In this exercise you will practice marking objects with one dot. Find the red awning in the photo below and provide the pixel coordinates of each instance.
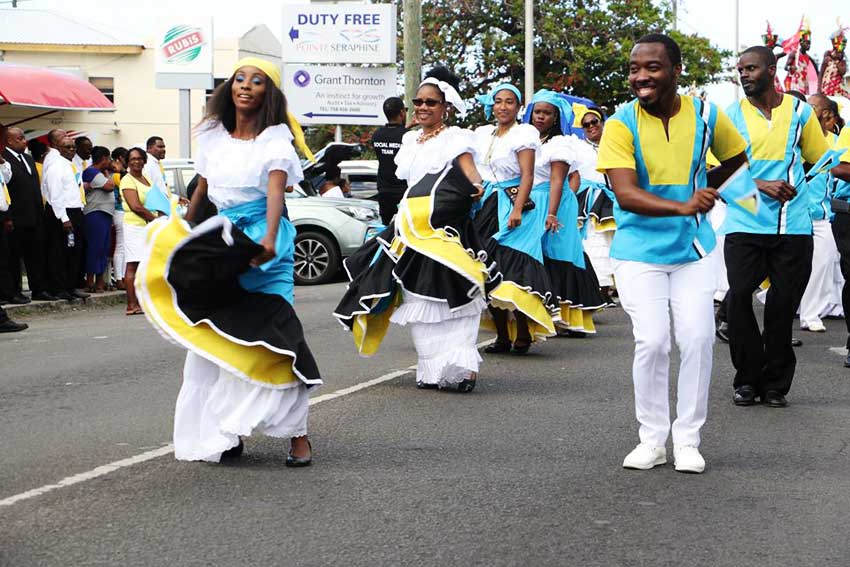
(39, 87)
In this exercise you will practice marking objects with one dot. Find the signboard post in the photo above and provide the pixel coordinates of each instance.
(184, 61)
(330, 94)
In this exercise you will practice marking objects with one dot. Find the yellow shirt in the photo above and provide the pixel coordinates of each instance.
(130, 182)
(843, 138)
(668, 161)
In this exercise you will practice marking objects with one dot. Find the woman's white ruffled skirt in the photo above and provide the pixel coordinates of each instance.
(214, 408)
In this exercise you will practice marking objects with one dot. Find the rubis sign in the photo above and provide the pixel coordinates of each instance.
(183, 44)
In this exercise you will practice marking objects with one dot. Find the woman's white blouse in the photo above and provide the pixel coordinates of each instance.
(559, 148)
(497, 158)
(237, 171)
(414, 160)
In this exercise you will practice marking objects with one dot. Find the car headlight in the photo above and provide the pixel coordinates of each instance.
(364, 214)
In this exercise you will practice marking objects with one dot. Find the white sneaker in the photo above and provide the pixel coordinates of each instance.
(687, 459)
(816, 327)
(644, 457)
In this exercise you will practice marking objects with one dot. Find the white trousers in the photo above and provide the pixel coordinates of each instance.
(818, 296)
(647, 293)
(118, 263)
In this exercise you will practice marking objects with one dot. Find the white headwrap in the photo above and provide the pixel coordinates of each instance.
(449, 92)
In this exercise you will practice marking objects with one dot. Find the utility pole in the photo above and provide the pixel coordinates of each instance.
(529, 50)
(675, 15)
(412, 23)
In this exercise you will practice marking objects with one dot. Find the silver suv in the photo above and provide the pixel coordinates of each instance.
(328, 230)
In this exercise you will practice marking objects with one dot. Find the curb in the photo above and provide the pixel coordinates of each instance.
(96, 301)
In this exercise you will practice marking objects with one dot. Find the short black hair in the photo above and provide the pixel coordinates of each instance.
(98, 153)
(120, 153)
(393, 106)
(79, 141)
(764, 53)
(152, 140)
(674, 54)
(139, 150)
(37, 148)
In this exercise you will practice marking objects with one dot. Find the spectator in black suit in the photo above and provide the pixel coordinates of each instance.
(7, 290)
(26, 216)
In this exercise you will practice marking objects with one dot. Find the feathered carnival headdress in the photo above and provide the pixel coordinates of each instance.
(838, 39)
(805, 31)
(769, 38)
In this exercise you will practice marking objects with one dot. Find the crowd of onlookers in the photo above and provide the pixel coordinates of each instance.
(72, 215)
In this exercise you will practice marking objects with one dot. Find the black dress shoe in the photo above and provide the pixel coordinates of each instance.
(234, 452)
(426, 386)
(521, 349)
(300, 461)
(9, 326)
(722, 331)
(498, 347)
(19, 300)
(774, 399)
(744, 396)
(66, 296)
(43, 296)
(796, 343)
(466, 386)
(80, 294)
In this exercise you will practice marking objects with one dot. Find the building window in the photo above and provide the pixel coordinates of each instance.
(106, 85)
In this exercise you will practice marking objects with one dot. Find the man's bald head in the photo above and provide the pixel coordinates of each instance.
(55, 137)
(16, 139)
(765, 54)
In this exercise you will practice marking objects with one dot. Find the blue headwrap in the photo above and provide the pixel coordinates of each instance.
(565, 109)
(488, 100)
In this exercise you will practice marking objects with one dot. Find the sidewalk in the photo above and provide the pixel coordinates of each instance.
(96, 301)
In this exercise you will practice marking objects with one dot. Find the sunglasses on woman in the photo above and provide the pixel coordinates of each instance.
(429, 102)
(591, 124)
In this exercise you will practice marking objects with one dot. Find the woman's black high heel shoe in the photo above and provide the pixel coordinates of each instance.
(234, 452)
(466, 386)
(498, 347)
(521, 349)
(292, 461)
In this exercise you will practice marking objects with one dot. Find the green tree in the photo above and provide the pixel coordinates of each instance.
(581, 47)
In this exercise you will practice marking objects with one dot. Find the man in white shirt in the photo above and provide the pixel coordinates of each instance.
(154, 169)
(63, 216)
(82, 155)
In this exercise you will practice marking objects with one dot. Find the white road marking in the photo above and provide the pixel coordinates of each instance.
(839, 350)
(168, 449)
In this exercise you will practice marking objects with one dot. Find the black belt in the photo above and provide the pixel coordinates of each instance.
(840, 206)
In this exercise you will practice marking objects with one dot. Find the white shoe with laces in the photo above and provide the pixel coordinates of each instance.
(688, 459)
(644, 457)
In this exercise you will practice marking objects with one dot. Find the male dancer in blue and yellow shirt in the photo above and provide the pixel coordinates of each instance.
(781, 131)
(653, 151)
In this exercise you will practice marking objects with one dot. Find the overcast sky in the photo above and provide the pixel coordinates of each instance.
(711, 18)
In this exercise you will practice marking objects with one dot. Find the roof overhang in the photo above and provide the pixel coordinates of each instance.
(69, 48)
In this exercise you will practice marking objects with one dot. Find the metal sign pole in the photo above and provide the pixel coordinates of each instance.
(529, 49)
(185, 123)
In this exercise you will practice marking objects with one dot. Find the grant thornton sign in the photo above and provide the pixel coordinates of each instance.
(184, 59)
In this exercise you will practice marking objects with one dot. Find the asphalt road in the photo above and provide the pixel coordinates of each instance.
(525, 471)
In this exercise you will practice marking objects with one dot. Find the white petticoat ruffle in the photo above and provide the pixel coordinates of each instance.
(445, 340)
(598, 248)
(215, 407)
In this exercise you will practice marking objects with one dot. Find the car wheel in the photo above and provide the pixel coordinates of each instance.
(316, 258)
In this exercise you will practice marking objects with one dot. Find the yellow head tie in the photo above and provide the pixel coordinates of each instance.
(272, 71)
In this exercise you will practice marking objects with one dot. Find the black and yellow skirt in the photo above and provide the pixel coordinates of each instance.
(199, 291)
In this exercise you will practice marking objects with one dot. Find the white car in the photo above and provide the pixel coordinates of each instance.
(328, 230)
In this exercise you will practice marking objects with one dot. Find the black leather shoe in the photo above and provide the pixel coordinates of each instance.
(234, 452)
(44, 296)
(66, 296)
(466, 386)
(19, 300)
(796, 343)
(425, 386)
(9, 326)
(774, 399)
(79, 294)
(521, 350)
(847, 361)
(744, 396)
(300, 461)
(722, 331)
(498, 348)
